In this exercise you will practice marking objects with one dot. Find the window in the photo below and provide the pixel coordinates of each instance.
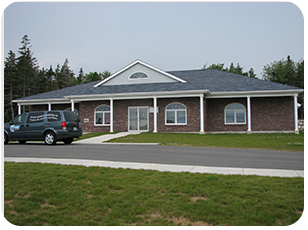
(102, 115)
(20, 119)
(235, 113)
(69, 109)
(71, 116)
(53, 116)
(35, 117)
(138, 75)
(176, 114)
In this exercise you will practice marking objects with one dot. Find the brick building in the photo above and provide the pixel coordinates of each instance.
(141, 97)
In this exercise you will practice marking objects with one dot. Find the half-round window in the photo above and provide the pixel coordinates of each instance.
(176, 114)
(235, 113)
(138, 75)
(102, 115)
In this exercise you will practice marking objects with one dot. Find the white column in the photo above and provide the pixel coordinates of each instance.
(295, 114)
(155, 114)
(72, 105)
(49, 106)
(19, 108)
(201, 114)
(248, 114)
(111, 115)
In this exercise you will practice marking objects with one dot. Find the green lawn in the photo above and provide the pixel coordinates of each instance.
(286, 142)
(49, 194)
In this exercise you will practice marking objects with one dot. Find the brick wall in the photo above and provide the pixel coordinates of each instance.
(87, 112)
(214, 120)
(272, 114)
(193, 115)
(120, 116)
(267, 114)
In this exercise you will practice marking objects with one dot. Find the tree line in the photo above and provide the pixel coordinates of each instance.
(23, 77)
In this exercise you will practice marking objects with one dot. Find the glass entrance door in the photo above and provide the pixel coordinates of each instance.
(138, 119)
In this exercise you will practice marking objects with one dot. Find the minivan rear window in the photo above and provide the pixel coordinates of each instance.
(70, 116)
(53, 116)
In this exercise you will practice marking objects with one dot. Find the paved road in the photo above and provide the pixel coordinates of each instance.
(217, 157)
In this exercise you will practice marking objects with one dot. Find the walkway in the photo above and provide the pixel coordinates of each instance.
(104, 138)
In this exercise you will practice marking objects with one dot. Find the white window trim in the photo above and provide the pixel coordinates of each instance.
(134, 79)
(103, 112)
(176, 110)
(234, 111)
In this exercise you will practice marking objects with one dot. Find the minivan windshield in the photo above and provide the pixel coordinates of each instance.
(70, 116)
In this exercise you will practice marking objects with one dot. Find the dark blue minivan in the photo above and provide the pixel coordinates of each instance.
(50, 126)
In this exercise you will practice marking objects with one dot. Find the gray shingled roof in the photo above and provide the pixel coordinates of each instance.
(210, 79)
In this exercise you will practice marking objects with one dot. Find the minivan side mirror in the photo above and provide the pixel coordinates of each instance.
(11, 122)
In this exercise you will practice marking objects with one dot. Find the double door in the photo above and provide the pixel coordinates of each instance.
(138, 119)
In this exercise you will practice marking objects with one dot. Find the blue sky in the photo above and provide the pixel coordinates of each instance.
(171, 36)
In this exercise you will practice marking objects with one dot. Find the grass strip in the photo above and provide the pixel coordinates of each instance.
(275, 141)
(52, 194)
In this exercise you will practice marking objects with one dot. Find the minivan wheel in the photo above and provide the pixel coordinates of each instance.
(69, 140)
(50, 138)
(6, 139)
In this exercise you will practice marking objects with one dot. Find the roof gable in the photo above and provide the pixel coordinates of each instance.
(148, 74)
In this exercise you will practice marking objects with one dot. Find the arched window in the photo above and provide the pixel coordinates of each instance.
(235, 113)
(176, 114)
(138, 75)
(102, 115)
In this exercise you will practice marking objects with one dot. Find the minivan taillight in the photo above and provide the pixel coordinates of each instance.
(63, 125)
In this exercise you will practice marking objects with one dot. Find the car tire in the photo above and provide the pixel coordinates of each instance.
(22, 142)
(68, 141)
(6, 139)
(50, 138)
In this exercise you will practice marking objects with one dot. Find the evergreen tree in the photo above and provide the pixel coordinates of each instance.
(220, 66)
(50, 79)
(80, 77)
(10, 86)
(238, 69)
(251, 73)
(231, 68)
(92, 76)
(65, 76)
(27, 69)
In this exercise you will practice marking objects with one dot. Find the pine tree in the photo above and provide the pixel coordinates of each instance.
(50, 80)
(27, 69)
(252, 73)
(65, 77)
(80, 77)
(10, 86)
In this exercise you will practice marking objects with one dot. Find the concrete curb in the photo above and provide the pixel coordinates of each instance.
(164, 167)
